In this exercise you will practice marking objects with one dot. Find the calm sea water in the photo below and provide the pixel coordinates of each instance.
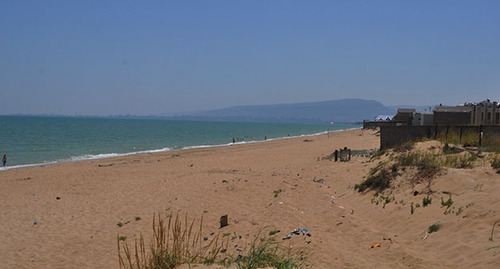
(38, 140)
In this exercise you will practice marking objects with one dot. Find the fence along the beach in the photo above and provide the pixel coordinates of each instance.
(481, 135)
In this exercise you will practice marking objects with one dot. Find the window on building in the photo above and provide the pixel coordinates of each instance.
(498, 118)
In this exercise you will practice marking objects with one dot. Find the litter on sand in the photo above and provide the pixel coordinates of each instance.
(297, 232)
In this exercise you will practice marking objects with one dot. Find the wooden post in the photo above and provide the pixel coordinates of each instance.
(461, 130)
(480, 134)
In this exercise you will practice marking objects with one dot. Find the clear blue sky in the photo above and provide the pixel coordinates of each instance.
(163, 57)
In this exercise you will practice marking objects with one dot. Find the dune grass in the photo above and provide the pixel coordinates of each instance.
(268, 252)
(427, 164)
(176, 241)
(495, 163)
(490, 141)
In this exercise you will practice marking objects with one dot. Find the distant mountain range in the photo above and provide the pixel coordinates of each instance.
(339, 111)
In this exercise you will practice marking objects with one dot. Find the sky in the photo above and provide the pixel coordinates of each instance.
(167, 57)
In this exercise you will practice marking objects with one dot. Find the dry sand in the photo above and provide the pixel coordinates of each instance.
(77, 206)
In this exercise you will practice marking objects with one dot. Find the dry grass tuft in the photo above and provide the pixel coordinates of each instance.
(174, 243)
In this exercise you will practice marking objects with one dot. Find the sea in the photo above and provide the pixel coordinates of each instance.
(41, 140)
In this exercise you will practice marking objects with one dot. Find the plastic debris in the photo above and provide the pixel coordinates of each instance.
(297, 231)
(376, 245)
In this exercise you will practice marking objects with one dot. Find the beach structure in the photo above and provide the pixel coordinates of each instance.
(482, 113)
(468, 114)
(481, 119)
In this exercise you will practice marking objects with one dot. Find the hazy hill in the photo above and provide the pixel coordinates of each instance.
(345, 110)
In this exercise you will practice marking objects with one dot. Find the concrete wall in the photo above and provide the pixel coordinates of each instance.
(452, 118)
(377, 124)
(391, 136)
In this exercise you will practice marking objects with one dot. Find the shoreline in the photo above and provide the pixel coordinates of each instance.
(117, 155)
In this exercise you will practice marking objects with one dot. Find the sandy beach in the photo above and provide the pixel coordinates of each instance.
(66, 215)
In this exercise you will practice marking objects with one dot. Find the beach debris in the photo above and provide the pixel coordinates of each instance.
(332, 199)
(493, 230)
(280, 202)
(426, 235)
(35, 223)
(376, 245)
(205, 238)
(297, 231)
(321, 181)
(241, 258)
(223, 221)
(105, 165)
(58, 198)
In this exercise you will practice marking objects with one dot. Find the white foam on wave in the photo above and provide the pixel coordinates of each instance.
(84, 158)
(112, 155)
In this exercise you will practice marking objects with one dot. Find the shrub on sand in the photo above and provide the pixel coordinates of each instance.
(176, 242)
(495, 163)
(265, 252)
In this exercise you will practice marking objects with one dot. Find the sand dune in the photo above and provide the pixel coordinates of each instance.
(78, 205)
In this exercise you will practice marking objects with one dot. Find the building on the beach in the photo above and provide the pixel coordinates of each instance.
(404, 116)
(468, 114)
(423, 118)
(453, 115)
(483, 113)
(486, 113)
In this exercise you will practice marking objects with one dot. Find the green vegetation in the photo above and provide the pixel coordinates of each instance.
(426, 201)
(427, 165)
(406, 146)
(137, 218)
(176, 241)
(277, 192)
(119, 224)
(379, 178)
(267, 252)
(469, 138)
(491, 143)
(383, 199)
(273, 232)
(495, 163)
(447, 203)
(434, 228)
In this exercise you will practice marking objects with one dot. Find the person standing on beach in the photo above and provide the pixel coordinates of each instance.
(4, 160)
